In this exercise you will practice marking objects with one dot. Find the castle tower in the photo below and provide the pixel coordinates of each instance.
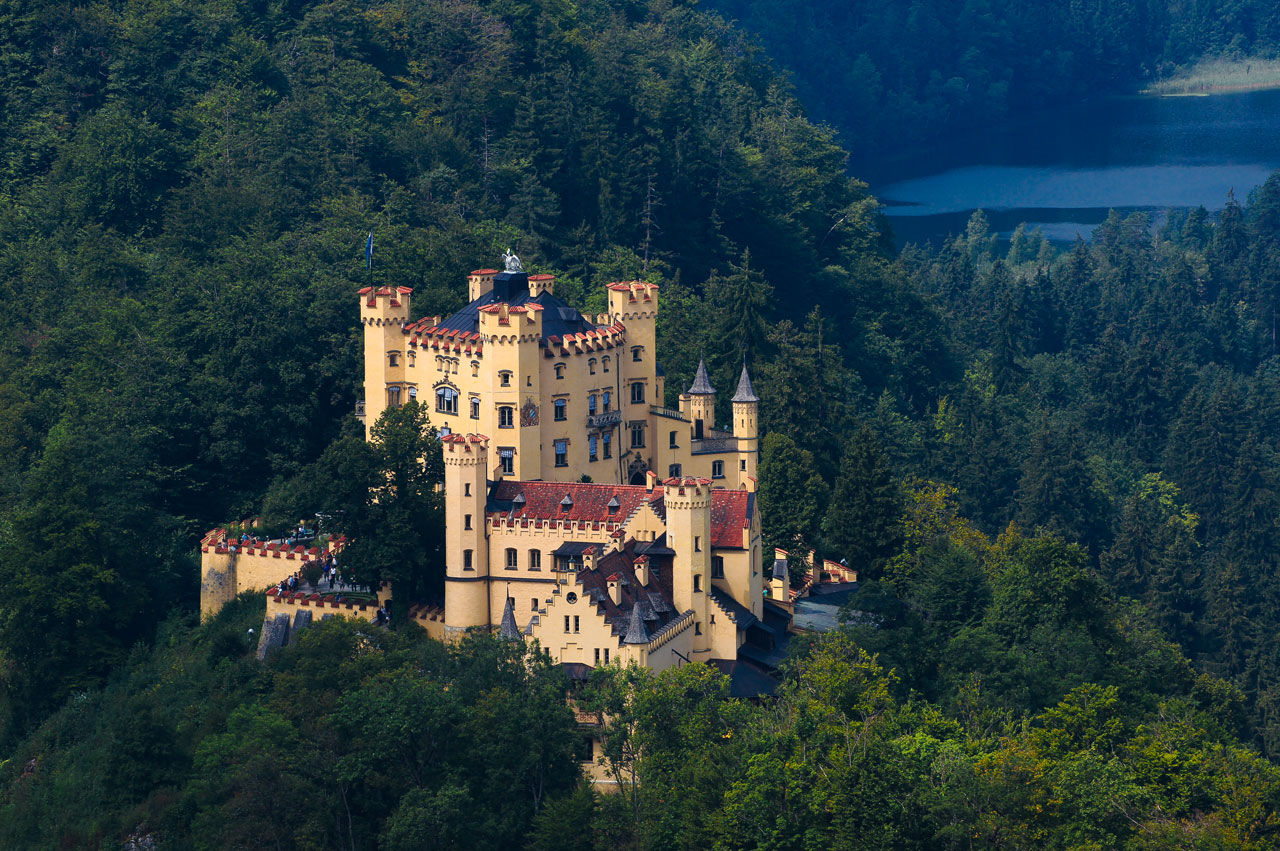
(746, 427)
(688, 507)
(466, 487)
(384, 313)
(511, 337)
(699, 403)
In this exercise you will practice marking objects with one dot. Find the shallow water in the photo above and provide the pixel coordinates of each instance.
(1063, 171)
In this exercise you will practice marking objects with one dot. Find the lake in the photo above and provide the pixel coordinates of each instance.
(1063, 171)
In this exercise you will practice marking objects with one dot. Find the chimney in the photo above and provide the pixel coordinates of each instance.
(589, 558)
(615, 588)
(642, 571)
(650, 479)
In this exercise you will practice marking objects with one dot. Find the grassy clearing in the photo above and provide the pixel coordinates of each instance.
(1215, 76)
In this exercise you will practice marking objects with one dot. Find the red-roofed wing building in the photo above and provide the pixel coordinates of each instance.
(562, 395)
(658, 574)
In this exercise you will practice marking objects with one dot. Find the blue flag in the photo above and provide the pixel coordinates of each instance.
(368, 253)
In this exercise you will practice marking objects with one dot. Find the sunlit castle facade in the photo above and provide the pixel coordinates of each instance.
(562, 397)
(579, 512)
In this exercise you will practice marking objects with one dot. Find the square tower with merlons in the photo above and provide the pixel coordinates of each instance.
(561, 396)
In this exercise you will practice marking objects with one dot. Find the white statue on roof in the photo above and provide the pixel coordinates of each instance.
(512, 262)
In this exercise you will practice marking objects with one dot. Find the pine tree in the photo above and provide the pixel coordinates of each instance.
(861, 526)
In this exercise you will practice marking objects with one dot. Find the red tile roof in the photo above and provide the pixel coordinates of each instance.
(730, 509)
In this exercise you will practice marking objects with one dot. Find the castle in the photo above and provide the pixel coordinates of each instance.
(579, 510)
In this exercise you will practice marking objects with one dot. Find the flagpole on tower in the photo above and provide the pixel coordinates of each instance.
(368, 257)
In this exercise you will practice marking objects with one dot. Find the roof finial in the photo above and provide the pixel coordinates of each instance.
(701, 384)
(745, 391)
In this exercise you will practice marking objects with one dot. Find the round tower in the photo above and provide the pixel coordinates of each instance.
(701, 401)
(466, 488)
(746, 428)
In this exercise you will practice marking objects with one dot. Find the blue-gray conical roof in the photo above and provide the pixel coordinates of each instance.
(701, 384)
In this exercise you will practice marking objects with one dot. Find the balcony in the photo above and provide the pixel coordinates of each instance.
(609, 419)
(360, 409)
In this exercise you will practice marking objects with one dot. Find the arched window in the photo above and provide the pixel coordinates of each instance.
(475, 407)
(447, 400)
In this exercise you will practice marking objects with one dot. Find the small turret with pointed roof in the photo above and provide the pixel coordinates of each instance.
(701, 384)
(745, 391)
(637, 632)
(509, 629)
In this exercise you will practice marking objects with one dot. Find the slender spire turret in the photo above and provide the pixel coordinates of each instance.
(701, 384)
(509, 629)
(745, 392)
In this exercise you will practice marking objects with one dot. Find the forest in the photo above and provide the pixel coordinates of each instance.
(1054, 468)
(887, 72)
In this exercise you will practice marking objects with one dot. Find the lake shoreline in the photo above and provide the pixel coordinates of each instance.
(1219, 77)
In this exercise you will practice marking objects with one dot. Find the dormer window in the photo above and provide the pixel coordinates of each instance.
(566, 503)
(613, 505)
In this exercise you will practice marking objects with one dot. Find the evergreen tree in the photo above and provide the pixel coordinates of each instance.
(861, 524)
(791, 495)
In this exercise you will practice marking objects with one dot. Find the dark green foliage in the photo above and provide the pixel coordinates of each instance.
(860, 525)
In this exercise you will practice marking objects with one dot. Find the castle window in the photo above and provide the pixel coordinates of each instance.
(637, 393)
(393, 358)
(607, 440)
(717, 469)
(393, 397)
(591, 405)
(591, 365)
(413, 358)
(592, 446)
(466, 560)
(447, 400)
(504, 378)
(575, 623)
(597, 655)
(697, 626)
(604, 362)
(637, 353)
(506, 460)
(535, 559)
(742, 465)
(606, 399)
(506, 417)
(566, 623)
(533, 604)
(561, 407)
(413, 394)
(559, 371)
(673, 472)
(717, 567)
(562, 453)
(475, 407)
(672, 444)
(512, 559)
(475, 368)
(697, 548)
(466, 488)
(466, 521)
(637, 435)
(606, 655)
